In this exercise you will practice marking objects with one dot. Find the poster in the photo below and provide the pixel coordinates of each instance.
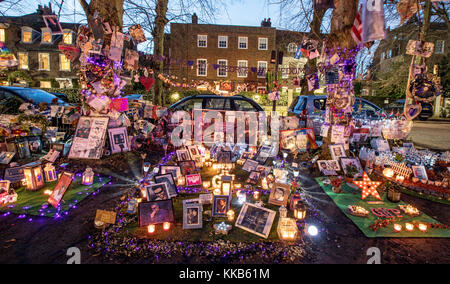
(118, 140)
(89, 138)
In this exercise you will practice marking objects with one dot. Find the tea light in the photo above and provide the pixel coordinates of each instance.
(409, 227)
(181, 181)
(256, 195)
(48, 192)
(237, 186)
(397, 228)
(230, 215)
(264, 184)
(388, 172)
(151, 229)
(166, 226)
(400, 179)
(206, 184)
(217, 191)
(422, 227)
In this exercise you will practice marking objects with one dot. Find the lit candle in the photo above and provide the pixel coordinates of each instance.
(230, 215)
(166, 226)
(397, 228)
(256, 195)
(409, 227)
(422, 227)
(151, 229)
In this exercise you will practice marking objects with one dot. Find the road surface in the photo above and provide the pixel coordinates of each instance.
(431, 134)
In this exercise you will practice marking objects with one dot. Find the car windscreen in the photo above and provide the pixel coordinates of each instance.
(35, 95)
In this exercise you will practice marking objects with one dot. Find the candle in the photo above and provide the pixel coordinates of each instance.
(230, 215)
(151, 229)
(256, 195)
(409, 227)
(166, 226)
(422, 227)
(397, 228)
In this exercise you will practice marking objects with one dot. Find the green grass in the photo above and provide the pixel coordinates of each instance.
(30, 202)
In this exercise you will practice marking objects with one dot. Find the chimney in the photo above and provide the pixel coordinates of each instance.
(195, 19)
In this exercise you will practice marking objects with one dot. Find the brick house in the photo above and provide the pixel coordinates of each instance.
(37, 50)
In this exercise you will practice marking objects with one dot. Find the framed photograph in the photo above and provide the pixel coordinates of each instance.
(170, 183)
(89, 138)
(279, 194)
(183, 155)
(22, 148)
(250, 165)
(221, 205)
(193, 180)
(58, 147)
(4, 186)
(192, 216)
(51, 156)
(194, 152)
(254, 177)
(264, 170)
(337, 151)
(334, 165)
(187, 167)
(263, 154)
(352, 163)
(118, 140)
(280, 174)
(323, 165)
(155, 212)
(224, 157)
(35, 144)
(174, 170)
(157, 192)
(60, 189)
(6, 157)
(15, 174)
(420, 172)
(256, 220)
(246, 155)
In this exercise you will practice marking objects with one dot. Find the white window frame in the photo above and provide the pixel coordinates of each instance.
(61, 56)
(442, 51)
(199, 38)
(206, 67)
(44, 31)
(65, 32)
(218, 69)
(222, 39)
(260, 41)
(245, 40)
(2, 35)
(39, 61)
(26, 30)
(265, 71)
(28, 60)
(239, 68)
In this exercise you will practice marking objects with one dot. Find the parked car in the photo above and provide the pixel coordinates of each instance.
(398, 106)
(311, 107)
(134, 97)
(29, 95)
(215, 102)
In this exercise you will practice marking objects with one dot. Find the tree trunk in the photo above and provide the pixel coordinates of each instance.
(342, 22)
(158, 49)
(110, 10)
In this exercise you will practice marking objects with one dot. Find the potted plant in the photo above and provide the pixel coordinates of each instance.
(350, 172)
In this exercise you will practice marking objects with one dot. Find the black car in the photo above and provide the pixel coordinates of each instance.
(28, 95)
(215, 102)
(61, 96)
(399, 105)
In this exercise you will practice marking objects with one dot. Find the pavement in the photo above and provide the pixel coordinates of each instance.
(433, 134)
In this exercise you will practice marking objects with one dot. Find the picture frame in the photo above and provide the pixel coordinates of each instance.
(14, 174)
(192, 216)
(254, 177)
(256, 220)
(246, 156)
(224, 157)
(170, 183)
(352, 162)
(35, 144)
(264, 170)
(194, 152)
(279, 194)
(57, 147)
(6, 157)
(60, 189)
(337, 151)
(420, 172)
(187, 167)
(155, 212)
(5, 186)
(334, 164)
(51, 156)
(250, 165)
(22, 147)
(263, 154)
(183, 155)
(157, 192)
(193, 180)
(118, 140)
(221, 205)
(90, 138)
(174, 170)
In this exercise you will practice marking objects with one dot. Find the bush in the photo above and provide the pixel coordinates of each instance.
(73, 95)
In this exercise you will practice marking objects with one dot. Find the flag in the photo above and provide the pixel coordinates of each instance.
(357, 28)
(298, 54)
(373, 20)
